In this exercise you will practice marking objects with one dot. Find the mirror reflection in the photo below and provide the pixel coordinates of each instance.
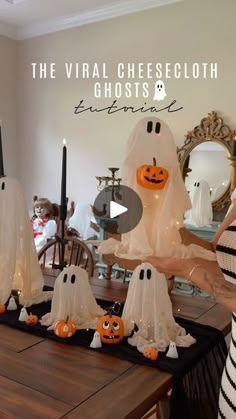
(208, 154)
(208, 161)
(201, 213)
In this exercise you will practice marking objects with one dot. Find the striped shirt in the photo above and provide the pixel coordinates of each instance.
(226, 257)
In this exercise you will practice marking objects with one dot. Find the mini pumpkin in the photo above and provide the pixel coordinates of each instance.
(65, 328)
(152, 176)
(111, 329)
(32, 319)
(2, 308)
(151, 353)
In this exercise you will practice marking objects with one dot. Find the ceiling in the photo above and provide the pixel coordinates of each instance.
(22, 19)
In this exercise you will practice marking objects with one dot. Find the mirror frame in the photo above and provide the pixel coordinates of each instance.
(211, 129)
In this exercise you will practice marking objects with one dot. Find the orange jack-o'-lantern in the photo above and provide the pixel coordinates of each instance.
(2, 308)
(31, 320)
(152, 176)
(65, 328)
(111, 329)
(151, 353)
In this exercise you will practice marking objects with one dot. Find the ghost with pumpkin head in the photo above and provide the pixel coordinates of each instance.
(151, 168)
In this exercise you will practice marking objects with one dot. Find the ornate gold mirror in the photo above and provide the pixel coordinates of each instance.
(206, 154)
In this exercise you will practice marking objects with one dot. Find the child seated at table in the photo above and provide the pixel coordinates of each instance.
(44, 226)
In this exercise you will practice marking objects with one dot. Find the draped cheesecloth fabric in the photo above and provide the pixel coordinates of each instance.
(149, 309)
(19, 267)
(201, 213)
(81, 220)
(73, 298)
(157, 233)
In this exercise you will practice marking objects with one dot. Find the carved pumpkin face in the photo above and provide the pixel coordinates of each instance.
(65, 328)
(111, 329)
(151, 353)
(31, 320)
(152, 176)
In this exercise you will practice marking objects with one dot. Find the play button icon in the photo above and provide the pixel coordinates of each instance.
(117, 209)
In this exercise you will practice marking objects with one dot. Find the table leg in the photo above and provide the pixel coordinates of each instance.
(164, 406)
(108, 272)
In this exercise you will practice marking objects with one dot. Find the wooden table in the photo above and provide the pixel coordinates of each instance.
(40, 378)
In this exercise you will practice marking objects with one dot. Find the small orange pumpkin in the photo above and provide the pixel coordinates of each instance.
(152, 176)
(111, 329)
(2, 308)
(65, 328)
(151, 353)
(32, 319)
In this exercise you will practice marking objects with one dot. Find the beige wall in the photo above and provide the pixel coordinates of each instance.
(8, 104)
(189, 31)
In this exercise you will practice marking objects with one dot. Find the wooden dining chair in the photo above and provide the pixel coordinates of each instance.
(76, 253)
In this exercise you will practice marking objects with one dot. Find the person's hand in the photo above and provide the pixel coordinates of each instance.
(214, 244)
(172, 266)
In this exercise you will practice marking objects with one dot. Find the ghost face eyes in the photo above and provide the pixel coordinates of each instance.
(67, 280)
(145, 274)
(2, 186)
(153, 127)
(197, 184)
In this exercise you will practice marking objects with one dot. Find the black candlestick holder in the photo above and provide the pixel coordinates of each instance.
(61, 239)
(107, 181)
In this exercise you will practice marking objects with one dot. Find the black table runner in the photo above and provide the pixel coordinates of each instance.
(197, 372)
